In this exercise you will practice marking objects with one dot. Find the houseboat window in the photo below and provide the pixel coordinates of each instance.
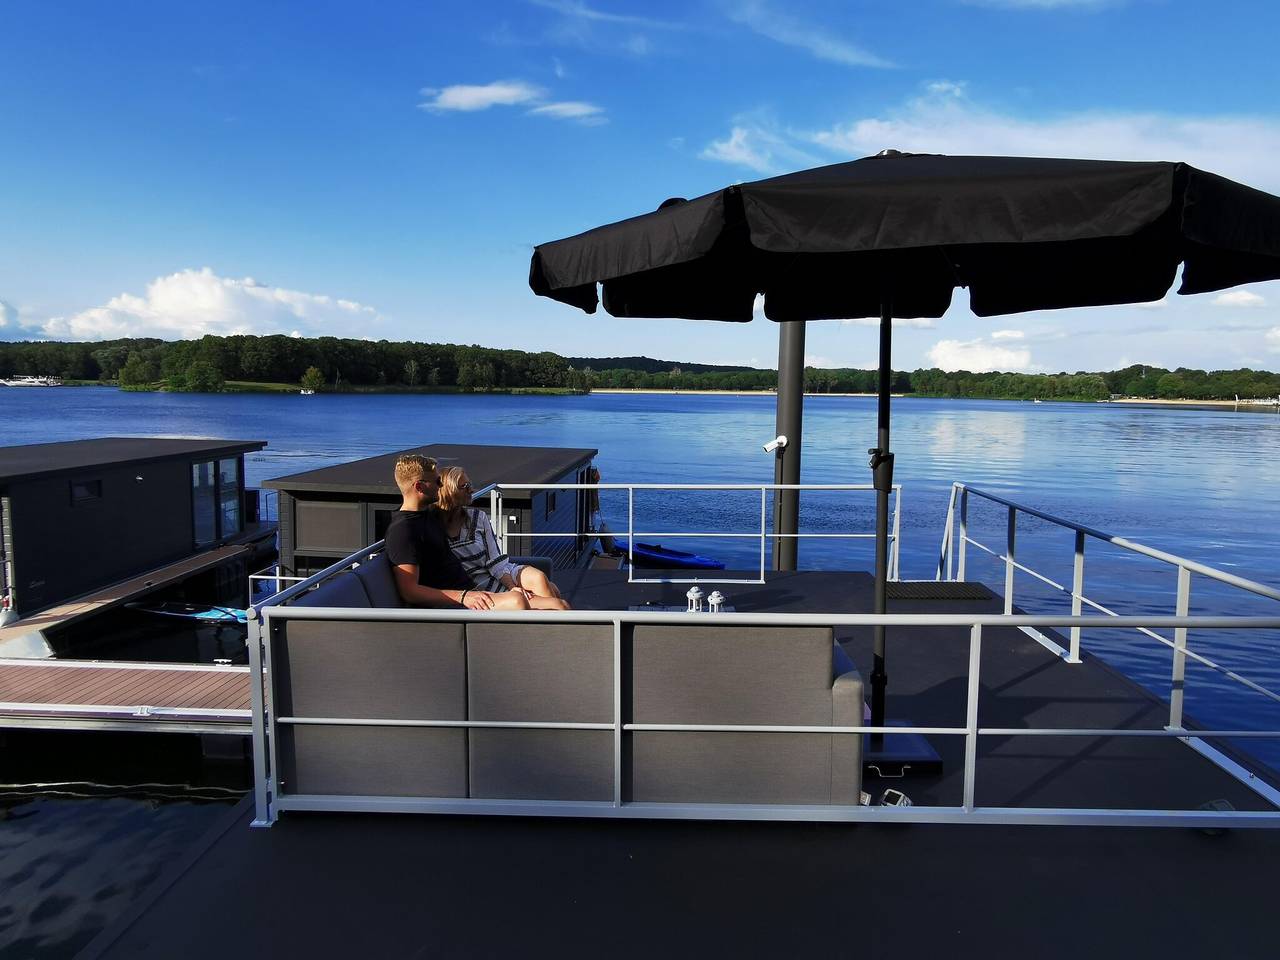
(550, 505)
(204, 503)
(229, 506)
(82, 491)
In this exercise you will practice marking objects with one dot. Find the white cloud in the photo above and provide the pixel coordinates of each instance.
(587, 113)
(743, 149)
(192, 303)
(945, 120)
(1007, 335)
(471, 97)
(1238, 298)
(813, 360)
(558, 68)
(787, 30)
(1272, 337)
(508, 93)
(1152, 305)
(8, 314)
(579, 10)
(979, 356)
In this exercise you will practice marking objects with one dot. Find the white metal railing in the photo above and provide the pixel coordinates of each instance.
(271, 798)
(500, 520)
(954, 544)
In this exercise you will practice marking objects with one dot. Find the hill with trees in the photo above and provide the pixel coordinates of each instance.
(211, 364)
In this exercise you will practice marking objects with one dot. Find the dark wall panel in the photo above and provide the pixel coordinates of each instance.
(64, 548)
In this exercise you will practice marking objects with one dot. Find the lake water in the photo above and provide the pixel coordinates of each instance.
(1203, 484)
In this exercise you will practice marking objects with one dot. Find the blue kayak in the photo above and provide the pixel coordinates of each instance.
(656, 555)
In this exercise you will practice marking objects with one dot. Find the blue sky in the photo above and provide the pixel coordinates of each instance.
(382, 170)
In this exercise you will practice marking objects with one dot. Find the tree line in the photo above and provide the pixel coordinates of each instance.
(332, 363)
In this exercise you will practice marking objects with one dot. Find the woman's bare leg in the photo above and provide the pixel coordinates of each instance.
(548, 603)
(510, 600)
(536, 582)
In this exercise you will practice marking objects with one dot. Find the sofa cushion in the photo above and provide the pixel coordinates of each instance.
(343, 590)
(379, 582)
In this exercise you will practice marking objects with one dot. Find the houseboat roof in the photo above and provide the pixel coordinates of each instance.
(484, 464)
(33, 460)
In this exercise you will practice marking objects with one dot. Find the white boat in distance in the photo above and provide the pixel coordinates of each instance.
(28, 381)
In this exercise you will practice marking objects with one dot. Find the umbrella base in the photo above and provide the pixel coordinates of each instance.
(901, 755)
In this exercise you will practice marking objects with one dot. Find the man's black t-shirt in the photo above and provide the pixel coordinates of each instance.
(417, 537)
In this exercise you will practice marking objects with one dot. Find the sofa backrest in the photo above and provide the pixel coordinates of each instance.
(343, 590)
(725, 674)
(379, 582)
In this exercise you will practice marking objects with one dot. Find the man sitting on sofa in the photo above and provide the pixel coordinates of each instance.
(426, 572)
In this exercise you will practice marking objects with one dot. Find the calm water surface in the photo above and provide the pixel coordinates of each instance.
(1204, 484)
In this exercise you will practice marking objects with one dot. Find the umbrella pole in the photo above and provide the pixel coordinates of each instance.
(882, 480)
(790, 418)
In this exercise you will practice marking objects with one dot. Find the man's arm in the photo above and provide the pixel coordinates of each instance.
(411, 591)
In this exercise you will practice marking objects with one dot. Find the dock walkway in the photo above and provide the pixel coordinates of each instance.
(117, 593)
(110, 695)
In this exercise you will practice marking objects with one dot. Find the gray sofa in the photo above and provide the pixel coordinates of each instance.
(559, 673)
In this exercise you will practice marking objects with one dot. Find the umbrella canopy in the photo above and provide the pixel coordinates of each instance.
(895, 234)
(830, 243)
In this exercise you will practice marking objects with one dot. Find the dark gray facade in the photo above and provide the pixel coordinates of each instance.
(81, 515)
(332, 512)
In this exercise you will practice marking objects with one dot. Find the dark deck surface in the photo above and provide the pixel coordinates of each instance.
(423, 886)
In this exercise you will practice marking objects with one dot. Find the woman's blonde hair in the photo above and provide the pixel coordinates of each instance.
(451, 494)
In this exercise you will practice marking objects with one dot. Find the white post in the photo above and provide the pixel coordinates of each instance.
(971, 716)
(1178, 683)
(1077, 591)
(964, 532)
(1010, 537)
(261, 784)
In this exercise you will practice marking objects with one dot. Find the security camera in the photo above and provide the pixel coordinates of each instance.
(777, 443)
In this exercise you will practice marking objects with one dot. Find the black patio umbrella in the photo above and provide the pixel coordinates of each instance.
(893, 235)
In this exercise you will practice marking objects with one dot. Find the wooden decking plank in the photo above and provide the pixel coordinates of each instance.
(214, 699)
(235, 696)
(196, 692)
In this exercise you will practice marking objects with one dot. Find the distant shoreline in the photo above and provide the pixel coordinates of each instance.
(1141, 401)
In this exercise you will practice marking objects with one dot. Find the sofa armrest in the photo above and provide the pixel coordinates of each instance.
(847, 693)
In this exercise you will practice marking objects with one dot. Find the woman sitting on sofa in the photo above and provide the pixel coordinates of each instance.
(472, 540)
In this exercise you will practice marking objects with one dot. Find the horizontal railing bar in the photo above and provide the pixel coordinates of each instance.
(1180, 734)
(841, 813)
(782, 728)
(1213, 573)
(139, 711)
(603, 617)
(717, 534)
(479, 724)
(685, 486)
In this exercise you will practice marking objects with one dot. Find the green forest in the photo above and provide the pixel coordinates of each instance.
(236, 363)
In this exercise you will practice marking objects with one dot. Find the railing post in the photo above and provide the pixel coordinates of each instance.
(971, 715)
(948, 537)
(1178, 682)
(764, 501)
(261, 782)
(897, 532)
(1077, 592)
(964, 532)
(1010, 536)
(631, 534)
(497, 520)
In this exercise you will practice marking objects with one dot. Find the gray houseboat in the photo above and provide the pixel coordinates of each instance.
(80, 515)
(329, 513)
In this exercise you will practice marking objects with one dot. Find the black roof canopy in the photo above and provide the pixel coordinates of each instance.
(1022, 233)
(485, 464)
(33, 460)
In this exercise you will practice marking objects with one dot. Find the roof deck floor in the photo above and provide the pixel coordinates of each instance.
(417, 886)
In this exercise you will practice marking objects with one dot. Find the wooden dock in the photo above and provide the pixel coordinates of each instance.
(112, 695)
(112, 596)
